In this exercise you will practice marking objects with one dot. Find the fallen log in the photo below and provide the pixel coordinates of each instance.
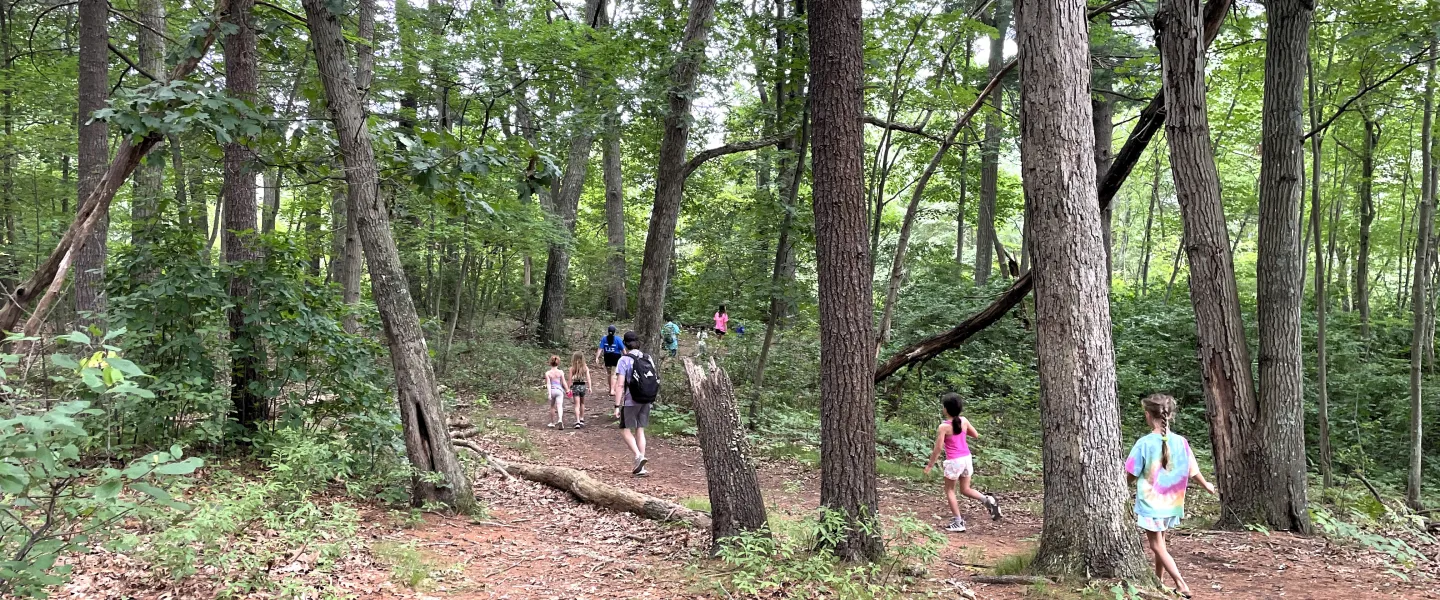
(591, 491)
(1151, 119)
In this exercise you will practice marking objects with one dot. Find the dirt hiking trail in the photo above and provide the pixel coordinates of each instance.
(541, 543)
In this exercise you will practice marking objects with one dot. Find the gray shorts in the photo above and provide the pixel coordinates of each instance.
(635, 417)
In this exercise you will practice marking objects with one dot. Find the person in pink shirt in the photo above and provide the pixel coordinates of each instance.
(722, 322)
(958, 466)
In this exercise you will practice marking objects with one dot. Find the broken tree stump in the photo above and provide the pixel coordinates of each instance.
(736, 505)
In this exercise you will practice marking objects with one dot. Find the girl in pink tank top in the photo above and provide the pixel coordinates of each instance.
(950, 437)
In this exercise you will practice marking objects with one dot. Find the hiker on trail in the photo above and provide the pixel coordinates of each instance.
(610, 350)
(722, 322)
(556, 386)
(635, 387)
(579, 385)
(1161, 465)
(670, 334)
(958, 466)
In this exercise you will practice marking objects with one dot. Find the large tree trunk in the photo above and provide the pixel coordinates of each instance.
(618, 299)
(427, 441)
(94, 154)
(1420, 299)
(246, 352)
(843, 263)
(1367, 218)
(551, 323)
(1322, 297)
(1282, 376)
(149, 178)
(1086, 528)
(670, 175)
(349, 262)
(1224, 355)
(1145, 247)
(1104, 121)
(990, 152)
(736, 505)
(1149, 122)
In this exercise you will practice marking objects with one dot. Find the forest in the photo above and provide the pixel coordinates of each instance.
(302, 297)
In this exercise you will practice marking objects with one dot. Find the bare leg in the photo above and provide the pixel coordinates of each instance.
(630, 441)
(950, 497)
(579, 407)
(640, 433)
(1162, 556)
(968, 491)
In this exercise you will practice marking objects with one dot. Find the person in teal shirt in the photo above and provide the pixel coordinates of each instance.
(671, 335)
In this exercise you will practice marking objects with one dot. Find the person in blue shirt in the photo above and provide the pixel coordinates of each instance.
(611, 348)
(670, 334)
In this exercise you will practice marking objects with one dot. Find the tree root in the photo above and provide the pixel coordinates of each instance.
(1011, 579)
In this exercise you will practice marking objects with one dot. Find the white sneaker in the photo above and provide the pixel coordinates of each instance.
(994, 506)
(640, 465)
(956, 526)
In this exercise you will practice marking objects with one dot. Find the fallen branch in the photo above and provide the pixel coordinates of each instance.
(1150, 121)
(1011, 579)
(604, 495)
(97, 203)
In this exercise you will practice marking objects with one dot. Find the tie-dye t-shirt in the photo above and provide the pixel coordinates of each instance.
(1160, 493)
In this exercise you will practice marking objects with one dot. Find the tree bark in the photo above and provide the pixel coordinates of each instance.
(618, 298)
(1086, 529)
(1322, 297)
(149, 179)
(736, 505)
(94, 154)
(670, 175)
(1420, 299)
(1104, 121)
(591, 491)
(427, 441)
(246, 351)
(349, 267)
(843, 263)
(1224, 355)
(1367, 218)
(1145, 248)
(551, 323)
(990, 152)
(1281, 393)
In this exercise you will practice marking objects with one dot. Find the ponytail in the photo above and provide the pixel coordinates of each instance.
(1161, 408)
(1165, 445)
(953, 404)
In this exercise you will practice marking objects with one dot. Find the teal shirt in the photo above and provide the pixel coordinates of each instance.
(672, 332)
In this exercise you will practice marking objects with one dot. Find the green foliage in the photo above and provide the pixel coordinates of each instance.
(782, 562)
(409, 565)
(58, 504)
(175, 107)
(242, 528)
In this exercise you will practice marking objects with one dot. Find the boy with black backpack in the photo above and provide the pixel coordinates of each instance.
(635, 387)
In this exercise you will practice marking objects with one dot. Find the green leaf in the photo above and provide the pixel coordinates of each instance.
(75, 337)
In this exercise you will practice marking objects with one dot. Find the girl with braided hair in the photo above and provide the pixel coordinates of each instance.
(1161, 464)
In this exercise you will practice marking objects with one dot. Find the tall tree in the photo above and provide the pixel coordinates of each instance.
(985, 237)
(149, 178)
(1104, 122)
(1367, 220)
(348, 266)
(843, 263)
(1278, 274)
(1224, 355)
(670, 174)
(1086, 528)
(94, 150)
(1420, 300)
(1322, 296)
(427, 439)
(241, 81)
(551, 326)
(617, 299)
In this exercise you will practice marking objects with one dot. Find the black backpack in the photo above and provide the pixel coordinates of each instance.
(643, 382)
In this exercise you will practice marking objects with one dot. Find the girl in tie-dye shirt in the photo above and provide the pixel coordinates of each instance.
(1161, 464)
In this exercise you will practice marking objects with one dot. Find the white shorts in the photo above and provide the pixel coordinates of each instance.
(956, 468)
(557, 397)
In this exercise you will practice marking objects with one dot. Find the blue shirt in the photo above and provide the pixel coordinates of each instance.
(612, 344)
(673, 330)
(622, 370)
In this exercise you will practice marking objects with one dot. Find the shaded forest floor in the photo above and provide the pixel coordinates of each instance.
(536, 542)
